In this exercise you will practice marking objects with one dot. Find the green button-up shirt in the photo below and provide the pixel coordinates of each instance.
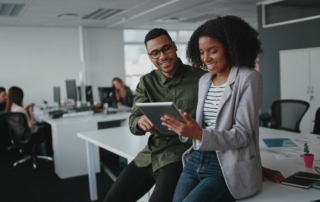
(182, 89)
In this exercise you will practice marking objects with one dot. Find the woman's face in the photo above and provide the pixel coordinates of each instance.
(213, 54)
(117, 84)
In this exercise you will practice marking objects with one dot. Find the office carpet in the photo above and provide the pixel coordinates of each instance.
(43, 185)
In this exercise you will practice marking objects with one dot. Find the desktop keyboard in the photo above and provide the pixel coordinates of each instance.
(73, 114)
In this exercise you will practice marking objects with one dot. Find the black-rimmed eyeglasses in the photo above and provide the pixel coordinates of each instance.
(166, 49)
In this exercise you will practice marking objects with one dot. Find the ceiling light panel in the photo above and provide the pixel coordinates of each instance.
(199, 18)
(102, 14)
(11, 10)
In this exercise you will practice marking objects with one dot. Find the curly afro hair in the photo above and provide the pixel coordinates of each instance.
(239, 38)
(154, 33)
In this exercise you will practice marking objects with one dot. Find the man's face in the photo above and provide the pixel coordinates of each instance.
(166, 63)
(3, 96)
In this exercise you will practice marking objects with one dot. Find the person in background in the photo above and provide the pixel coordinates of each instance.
(4, 128)
(3, 99)
(123, 92)
(14, 104)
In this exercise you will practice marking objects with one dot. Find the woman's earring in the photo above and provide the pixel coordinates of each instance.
(203, 67)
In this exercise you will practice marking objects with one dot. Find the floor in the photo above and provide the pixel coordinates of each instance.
(43, 185)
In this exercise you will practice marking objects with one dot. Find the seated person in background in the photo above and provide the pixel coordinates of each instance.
(14, 104)
(123, 92)
(3, 99)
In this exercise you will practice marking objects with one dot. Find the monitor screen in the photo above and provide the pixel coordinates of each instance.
(89, 95)
(71, 89)
(107, 95)
(56, 95)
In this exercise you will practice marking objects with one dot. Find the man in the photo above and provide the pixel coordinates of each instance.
(160, 161)
(3, 99)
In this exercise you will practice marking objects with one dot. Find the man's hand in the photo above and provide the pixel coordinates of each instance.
(274, 175)
(190, 129)
(119, 103)
(145, 124)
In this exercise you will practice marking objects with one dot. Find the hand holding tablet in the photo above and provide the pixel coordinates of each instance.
(164, 115)
(154, 111)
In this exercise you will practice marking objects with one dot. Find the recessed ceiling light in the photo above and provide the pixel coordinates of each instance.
(69, 16)
(11, 10)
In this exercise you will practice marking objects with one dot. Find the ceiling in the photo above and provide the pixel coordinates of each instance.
(141, 14)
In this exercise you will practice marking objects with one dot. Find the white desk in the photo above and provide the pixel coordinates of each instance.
(70, 158)
(117, 140)
(281, 193)
(123, 143)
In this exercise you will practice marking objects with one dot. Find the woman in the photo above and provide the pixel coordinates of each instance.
(14, 104)
(123, 92)
(224, 160)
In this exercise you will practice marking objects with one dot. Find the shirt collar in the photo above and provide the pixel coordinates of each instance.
(177, 75)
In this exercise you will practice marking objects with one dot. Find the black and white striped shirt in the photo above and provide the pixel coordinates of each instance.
(211, 105)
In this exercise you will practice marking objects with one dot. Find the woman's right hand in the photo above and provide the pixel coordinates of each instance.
(28, 108)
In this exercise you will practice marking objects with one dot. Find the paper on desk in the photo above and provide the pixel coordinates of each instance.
(291, 153)
(279, 142)
(307, 140)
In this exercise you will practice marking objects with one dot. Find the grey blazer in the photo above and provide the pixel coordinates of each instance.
(236, 136)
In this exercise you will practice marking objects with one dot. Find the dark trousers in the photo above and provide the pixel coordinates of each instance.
(135, 182)
(46, 146)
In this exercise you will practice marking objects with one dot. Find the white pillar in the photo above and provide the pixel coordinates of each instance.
(82, 73)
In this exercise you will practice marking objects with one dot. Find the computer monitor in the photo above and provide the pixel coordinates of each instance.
(89, 95)
(56, 95)
(107, 95)
(71, 90)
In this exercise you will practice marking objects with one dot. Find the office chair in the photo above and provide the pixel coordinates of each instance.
(316, 128)
(22, 138)
(287, 114)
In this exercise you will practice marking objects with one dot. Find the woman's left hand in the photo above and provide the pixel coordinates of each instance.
(190, 129)
(274, 175)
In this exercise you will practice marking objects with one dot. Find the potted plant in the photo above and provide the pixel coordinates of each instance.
(308, 158)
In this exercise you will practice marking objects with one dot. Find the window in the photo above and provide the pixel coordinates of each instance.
(279, 12)
(137, 62)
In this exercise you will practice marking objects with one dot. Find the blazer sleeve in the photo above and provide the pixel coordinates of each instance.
(245, 120)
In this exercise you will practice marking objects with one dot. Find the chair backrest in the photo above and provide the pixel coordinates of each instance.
(19, 129)
(316, 128)
(287, 114)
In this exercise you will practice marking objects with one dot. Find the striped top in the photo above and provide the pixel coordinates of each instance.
(211, 105)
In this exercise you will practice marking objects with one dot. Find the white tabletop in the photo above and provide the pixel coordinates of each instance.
(88, 118)
(117, 140)
(276, 192)
(122, 142)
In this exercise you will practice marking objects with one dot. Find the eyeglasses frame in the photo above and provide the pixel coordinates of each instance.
(161, 50)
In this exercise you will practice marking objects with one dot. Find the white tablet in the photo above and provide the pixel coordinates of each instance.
(155, 110)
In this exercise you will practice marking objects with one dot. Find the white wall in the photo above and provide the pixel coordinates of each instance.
(104, 57)
(38, 58)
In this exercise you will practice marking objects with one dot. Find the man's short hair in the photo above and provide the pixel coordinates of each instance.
(2, 89)
(154, 33)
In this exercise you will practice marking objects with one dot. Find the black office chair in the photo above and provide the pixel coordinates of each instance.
(21, 137)
(316, 128)
(287, 114)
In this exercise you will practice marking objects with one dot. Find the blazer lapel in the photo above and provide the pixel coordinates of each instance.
(227, 91)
